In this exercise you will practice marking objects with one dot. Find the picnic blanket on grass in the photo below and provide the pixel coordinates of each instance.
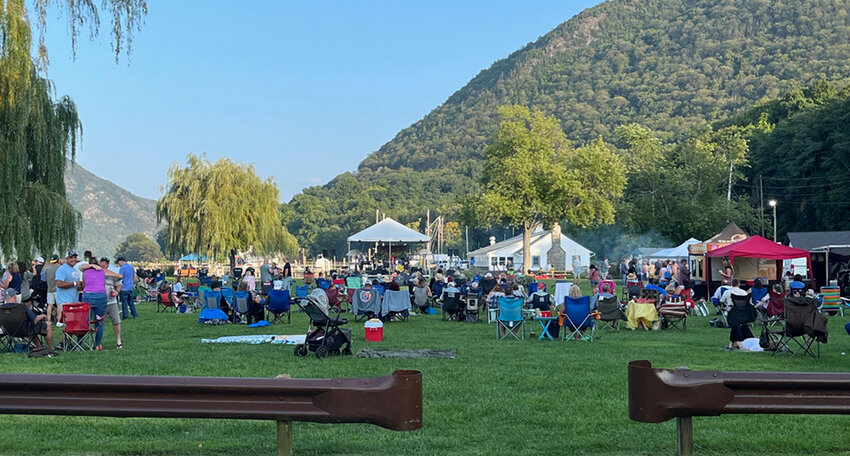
(251, 339)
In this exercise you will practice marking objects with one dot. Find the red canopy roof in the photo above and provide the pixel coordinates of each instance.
(759, 247)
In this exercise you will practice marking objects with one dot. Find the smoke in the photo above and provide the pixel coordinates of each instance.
(615, 242)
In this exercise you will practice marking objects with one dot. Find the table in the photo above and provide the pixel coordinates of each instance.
(544, 324)
(640, 312)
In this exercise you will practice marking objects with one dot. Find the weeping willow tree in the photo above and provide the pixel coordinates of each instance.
(215, 208)
(37, 133)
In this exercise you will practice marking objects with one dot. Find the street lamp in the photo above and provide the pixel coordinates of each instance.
(772, 203)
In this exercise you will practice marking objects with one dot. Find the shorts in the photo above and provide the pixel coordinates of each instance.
(51, 298)
(112, 312)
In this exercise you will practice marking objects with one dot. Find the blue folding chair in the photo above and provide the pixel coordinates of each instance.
(227, 294)
(323, 283)
(212, 307)
(578, 317)
(278, 304)
(301, 291)
(510, 318)
(532, 288)
(379, 289)
(241, 300)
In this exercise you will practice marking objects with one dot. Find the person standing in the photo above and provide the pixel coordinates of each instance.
(684, 273)
(113, 289)
(265, 277)
(11, 282)
(624, 270)
(48, 275)
(287, 274)
(603, 268)
(94, 293)
(67, 283)
(128, 274)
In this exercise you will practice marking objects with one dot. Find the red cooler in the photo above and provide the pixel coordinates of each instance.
(374, 330)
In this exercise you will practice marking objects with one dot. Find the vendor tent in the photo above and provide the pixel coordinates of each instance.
(680, 251)
(388, 230)
(193, 257)
(759, 247)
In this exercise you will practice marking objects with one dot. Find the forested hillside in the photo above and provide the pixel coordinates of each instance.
(671, 66)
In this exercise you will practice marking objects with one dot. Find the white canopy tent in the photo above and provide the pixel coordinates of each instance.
(389, 231)
(680, 251)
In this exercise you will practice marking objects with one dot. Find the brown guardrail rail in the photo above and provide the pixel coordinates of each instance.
(393, 402)
(658, 395)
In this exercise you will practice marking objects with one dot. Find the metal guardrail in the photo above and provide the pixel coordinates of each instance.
(393, 402)
(658, 395)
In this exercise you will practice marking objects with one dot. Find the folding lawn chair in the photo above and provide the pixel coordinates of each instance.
(532, 288)
(472, 307)
(610, 313)
(279, 304)
(674, 313)
(420, 298)
(241, 301)
(333, 298)
(301, 292)
(578, 317)
(78, 329)
(509, 318)
(396, 305)
(366, 304)
(323, 283)
(15, 326)
(164, 303)
(832, 304)
(804, 326)
(451, 306)
(227, 294)
(353, 283)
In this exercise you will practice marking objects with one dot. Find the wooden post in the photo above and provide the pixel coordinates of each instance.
(685, 433)
(284, 438)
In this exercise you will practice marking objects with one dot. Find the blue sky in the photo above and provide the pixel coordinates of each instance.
(302, 90)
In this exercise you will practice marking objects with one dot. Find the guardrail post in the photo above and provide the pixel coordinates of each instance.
(685, 433)
(284, 438)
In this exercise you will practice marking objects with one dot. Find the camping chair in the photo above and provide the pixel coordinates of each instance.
(472, 303)
(577, 316)
(395, 305)
(192, 287)
(241, 303)
(540, 301)
(532, 288)
(674, 313)
(510, 318)
(227, 294)
(323, 283)
(451, 306)
(164, 302)
(152, 292)
(353, 283)
(333, 298)
(832, 304)
(14, 323)
(78, 330)
(302, 291)
(420, 298)
(611, 286)
(610, 313)
(633, 289)
(804, 326)
(202, 290)
(279, 304)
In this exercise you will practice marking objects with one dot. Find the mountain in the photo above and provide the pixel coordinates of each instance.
(671, 65)
(110, 213)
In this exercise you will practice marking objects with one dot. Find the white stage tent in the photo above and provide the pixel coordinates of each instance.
(389, 231)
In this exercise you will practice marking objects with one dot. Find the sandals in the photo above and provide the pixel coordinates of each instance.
(120, 345)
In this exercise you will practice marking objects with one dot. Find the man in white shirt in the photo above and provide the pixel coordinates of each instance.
(726, 299)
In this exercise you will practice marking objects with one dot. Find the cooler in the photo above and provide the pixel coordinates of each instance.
(374, 330)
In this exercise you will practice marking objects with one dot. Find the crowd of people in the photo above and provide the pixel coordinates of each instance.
(45, 288)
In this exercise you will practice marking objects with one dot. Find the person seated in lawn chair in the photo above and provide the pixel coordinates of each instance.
(166, 288)
(540, 299)
(797, 287)
(604, 294)
(256, 304)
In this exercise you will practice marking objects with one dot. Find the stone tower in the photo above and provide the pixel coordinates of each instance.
(556, 255)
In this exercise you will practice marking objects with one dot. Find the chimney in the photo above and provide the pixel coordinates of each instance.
(492, 240)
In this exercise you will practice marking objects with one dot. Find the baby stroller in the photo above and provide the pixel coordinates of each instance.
(325, 336)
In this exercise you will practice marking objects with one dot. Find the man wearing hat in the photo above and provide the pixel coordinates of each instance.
(128, 282)
(67, 284)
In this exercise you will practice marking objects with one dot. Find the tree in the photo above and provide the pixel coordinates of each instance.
(38, 133)
(214, 208)
(138, 247)
(532, 176)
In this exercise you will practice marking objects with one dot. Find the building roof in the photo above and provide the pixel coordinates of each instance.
(502, 244)
(808, 240)
(729, 234)
(388, 230)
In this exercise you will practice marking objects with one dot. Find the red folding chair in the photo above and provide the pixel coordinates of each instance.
(78, 330)
(164, 303)
(333, 298)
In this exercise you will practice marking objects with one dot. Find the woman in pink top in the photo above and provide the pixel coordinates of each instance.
(94, 293)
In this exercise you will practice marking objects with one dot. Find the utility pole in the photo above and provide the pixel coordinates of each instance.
(761, 205)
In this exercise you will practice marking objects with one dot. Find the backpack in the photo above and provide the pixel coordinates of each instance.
(43, 352)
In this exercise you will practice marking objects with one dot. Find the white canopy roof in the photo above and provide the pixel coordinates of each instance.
(388, 230)
(676, 252)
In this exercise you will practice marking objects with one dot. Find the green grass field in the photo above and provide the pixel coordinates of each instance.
(496, 398)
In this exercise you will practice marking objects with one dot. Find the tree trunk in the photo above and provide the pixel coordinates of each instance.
(232, 258)
(526, 245)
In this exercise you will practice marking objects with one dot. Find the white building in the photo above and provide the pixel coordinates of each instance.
(548, 247)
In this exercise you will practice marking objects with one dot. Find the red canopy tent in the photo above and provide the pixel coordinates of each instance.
(759, 247)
